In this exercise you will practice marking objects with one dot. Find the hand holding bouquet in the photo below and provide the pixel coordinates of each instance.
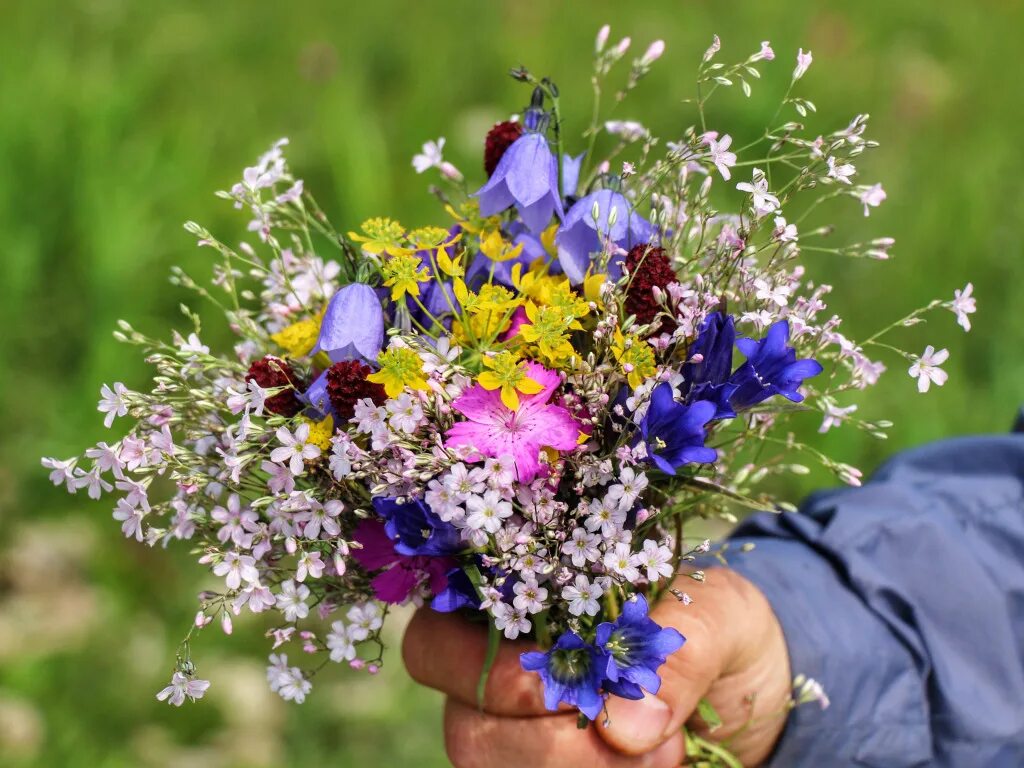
(516, 414)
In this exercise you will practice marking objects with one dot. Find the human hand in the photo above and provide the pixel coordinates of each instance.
(735, 657)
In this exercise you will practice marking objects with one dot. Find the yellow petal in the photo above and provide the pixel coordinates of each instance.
(510, 397)
(529, 387)
(489, 380)
(298, 339)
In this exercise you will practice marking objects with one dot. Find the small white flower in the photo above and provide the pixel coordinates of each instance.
(840, 173)
(605, 516)
(581, 547)
(718, 149)
(764, 202)
(485, 513)
(339, 641)
(872, 197)
(291, 600)
(583, 596)
(627, 130)
(295, 448)
(621, 561)
(182, 686)
(512, 620)
(765, 54)
(657, 559)
(310, 564)
(364, 620)
(406, 413)
(631, 484)
(926, 368)
(715, 47)
(776, 294)
(529, 596)
(834, 415)
(962, 306)
(131, 519)
(784, 232)
(62, 472)
(431, 157)
(803, 63)
(193, 347)
(112, 402)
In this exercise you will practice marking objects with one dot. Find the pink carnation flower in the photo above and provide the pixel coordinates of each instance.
(495, 430)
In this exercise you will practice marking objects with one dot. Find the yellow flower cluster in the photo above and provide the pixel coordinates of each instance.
(635, 356)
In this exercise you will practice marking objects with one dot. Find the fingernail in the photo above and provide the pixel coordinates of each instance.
(639, 723)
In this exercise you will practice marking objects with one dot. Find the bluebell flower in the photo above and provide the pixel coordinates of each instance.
(571, 671)
(460, 593)
(709, 379)
(674, 433)
(416, 529)
(632, 648)
(580, 236)
(771, 369)
(526, 177)
(318, 400)
(353, 326)
(571, 167)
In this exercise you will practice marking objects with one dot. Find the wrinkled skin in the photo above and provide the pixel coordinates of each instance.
(735, 650)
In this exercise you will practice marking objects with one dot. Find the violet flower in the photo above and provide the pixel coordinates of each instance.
(526, 177)
(353, 326)
(581, 236)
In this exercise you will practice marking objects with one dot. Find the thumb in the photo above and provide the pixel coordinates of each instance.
(636, 727)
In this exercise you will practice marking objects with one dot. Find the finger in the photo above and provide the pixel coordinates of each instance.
(477, 740)
(447, 653)
(709, 628)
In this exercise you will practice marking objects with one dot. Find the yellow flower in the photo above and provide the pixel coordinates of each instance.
(469, 218)
(497, 248)
(321, 432)
(298, 339)
(635, 356)
(509, 375)
(548, 330)
(403, 274)
(547, 239)
(381, 234)
(400, 367)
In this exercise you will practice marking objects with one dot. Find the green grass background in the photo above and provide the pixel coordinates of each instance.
(118, 119)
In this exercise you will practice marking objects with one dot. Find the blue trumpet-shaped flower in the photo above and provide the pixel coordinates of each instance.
(771, 369)
(571, 671)
(582, 235)
(526, 177)
(415, 528)
(353, 326)
(632, 648)
(674, 433)
(708, 379)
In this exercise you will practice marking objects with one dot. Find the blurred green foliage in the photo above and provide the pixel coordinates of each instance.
(117, 121)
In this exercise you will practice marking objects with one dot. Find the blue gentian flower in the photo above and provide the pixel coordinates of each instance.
(460, 593)
(632, 648)
(771, 369)
(416, 529)
(353, 326)
(571, 671)
(674, 433)
(526, 177)
(709, 379)
(580, 236)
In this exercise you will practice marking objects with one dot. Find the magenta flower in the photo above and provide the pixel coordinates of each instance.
(400, 575)
(495, 430)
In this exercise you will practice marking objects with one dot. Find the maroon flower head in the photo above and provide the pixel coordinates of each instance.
(272, 372)
(648, 266)
(499, 138)
(347, 384)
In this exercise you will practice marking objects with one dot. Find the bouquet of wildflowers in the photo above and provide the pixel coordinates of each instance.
(516, 413)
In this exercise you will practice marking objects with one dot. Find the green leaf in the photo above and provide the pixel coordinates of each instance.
(493, 643)
(709, 715)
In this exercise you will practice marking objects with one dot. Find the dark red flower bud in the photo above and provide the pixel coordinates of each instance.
(272, 372)
(347, 384)
(648, 266)
(499, 138)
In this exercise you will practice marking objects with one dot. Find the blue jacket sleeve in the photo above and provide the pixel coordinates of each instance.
(905, 599)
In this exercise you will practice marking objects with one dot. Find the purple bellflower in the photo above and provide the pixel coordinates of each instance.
(526, 177)
(632, 648)
(674, 433)
(571, 671)
(353, 326)
(581, 236)
(771, 369)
